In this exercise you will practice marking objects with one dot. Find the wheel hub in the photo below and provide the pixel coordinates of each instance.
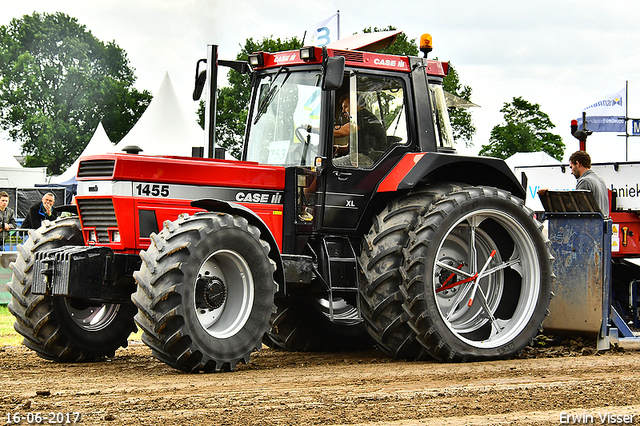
(446, 278)
(211, 292)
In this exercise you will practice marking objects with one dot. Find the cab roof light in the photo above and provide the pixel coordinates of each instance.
(426, 44)
(256, 60)
(308, 53)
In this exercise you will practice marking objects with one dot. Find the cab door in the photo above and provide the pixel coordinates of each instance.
(376, 116)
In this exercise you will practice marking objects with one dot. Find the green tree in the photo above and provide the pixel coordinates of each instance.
(57, 82)
(526, 129)
(233, 100)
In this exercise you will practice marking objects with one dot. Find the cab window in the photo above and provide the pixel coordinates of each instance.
(370, 119)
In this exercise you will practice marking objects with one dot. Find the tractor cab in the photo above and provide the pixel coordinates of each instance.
(340, 118)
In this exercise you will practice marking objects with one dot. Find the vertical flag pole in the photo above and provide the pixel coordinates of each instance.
(583, 141)
(626, 120)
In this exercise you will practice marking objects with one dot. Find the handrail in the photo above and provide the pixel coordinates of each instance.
(11, 239)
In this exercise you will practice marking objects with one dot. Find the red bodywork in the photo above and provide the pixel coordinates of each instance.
(167, 185)
(358, 59)
(628, 244)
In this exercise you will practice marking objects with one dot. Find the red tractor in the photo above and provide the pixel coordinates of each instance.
(350, 222)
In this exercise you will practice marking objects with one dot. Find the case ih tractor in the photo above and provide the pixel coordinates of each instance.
(350, 222)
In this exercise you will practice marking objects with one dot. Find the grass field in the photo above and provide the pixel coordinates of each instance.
(8, 336)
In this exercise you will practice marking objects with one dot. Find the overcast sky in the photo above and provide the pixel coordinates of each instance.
(563, 55)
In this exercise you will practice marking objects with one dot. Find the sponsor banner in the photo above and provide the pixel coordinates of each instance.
(604, 124)
(607, 114)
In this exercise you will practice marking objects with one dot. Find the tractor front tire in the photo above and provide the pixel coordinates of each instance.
(60, 328)
(205, 292)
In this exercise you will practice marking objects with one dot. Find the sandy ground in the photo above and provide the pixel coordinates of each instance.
(565, 384)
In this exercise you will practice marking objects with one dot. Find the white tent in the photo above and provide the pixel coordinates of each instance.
(164, 128)
(99, 144)
(12, 174)
(8, 160)
(520, 159)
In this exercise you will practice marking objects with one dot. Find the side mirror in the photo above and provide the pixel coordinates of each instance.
(333, 73)
(201, 79)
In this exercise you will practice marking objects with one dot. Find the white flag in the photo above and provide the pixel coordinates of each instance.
(607, 114)
(326, 31)
(613, 104)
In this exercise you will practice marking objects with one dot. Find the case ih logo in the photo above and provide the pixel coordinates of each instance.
(258, 197)
(284, 58)
(389, 63)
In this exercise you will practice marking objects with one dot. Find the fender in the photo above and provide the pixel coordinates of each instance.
(240, 210)
(415, 168)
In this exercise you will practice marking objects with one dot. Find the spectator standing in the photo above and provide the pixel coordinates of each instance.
(580, 163)
(8, 217)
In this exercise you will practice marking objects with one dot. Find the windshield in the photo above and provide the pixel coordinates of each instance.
(284, 123)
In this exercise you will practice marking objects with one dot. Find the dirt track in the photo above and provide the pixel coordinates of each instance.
(545, 387)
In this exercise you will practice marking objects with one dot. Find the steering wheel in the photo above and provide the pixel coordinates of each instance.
(309, 129)
(299, 135)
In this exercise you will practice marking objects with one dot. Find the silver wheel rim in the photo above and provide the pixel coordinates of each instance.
(343, 312)
(92, 318)
(465, 251)
(232, 315)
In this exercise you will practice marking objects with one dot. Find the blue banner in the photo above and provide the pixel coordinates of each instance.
(604, 124)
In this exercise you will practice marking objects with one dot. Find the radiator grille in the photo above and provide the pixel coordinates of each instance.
(96, 168)
(99, 214)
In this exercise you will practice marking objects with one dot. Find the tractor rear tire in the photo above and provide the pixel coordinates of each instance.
(381, 280)
(303, 325)
(488, 232)
(205, 292)
(60, 328)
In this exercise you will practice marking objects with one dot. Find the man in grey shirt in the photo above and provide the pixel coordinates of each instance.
(580, 163)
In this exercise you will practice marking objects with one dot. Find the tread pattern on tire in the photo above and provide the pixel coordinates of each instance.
(413, 288)
(35, 314)
(381, 280)
(161, 308)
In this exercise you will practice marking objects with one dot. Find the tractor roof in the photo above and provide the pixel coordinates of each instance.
(369, 42)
